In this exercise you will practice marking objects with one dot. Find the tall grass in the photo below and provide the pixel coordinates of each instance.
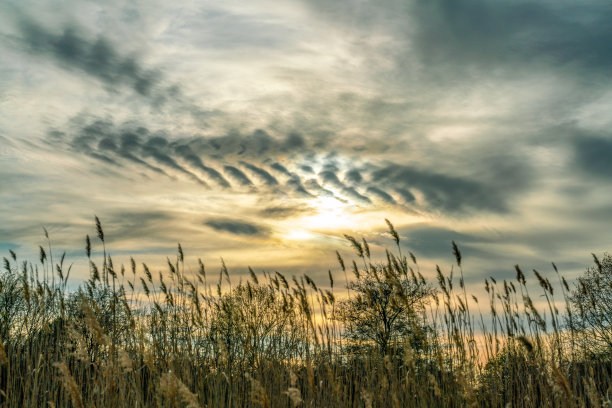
(131, 338)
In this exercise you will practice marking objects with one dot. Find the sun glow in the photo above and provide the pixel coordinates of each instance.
(299, 235)
(329, 217)
(328, 214)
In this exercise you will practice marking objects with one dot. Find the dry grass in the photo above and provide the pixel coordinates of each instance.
(128, 338)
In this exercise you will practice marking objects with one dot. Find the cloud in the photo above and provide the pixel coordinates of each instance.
(100, 138)
(381, 194)
(152, 148)
(104, 140)
(355, 195)
(237, 227)
(593, 155)
(296, 184)
(218, 28)
(122, 224)
(73, 49)
(294, 141)
(234, 144)
(353, 176)
(441, 191)
(435, 241)
(406, 195)
(261, 173)
(237, 175)
(281, 169)
(464, 34)
(283, 212)
(97, 58)
(307, 169)
(328, 176)
(185, 152)
(458, 38)
(237, 145)
(447, 109)
(312, 184)
(498, 176)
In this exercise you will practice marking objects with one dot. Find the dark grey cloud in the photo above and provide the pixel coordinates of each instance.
(355, 195)
(386, 197)
(185, 152)
(458, 34)
(283, 212)
(107, 144)
(120, 225)
(294, 141)
(441, 191)
(114, 144)
(499, 176)
(353, 176)
(105, 141)
(237, 227)
(129, 146)
(313, 185)
(234, 144)
(97, 58)
(329, 176)
(406, 195)
(434, 241)
(296, 185)
(307, 169)
(153, 148)
(101, 140)
(261, 174)
(253, 146)
(281, 169)
(593, 155)
(237, 175)
(441, 45)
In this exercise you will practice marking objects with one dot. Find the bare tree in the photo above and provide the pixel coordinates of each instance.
(385, 300)
(591, 303)
(256, 321)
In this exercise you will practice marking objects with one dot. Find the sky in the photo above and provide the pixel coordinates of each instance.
(263, 131)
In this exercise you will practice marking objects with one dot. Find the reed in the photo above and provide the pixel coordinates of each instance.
(389, 338)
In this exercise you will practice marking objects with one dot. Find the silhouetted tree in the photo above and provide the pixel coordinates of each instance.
(591, 303)
(256, 321)
(384, 307)
(12, 301)
(385, 301)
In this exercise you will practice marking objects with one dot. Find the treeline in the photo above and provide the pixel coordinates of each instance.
(129, 337)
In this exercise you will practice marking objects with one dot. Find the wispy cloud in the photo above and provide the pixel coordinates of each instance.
(284, 212)
(237, 227)
(98, 58)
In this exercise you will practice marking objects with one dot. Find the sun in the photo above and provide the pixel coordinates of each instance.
(327, 214)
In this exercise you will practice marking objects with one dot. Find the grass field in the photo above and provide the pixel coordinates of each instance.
(131, 338)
